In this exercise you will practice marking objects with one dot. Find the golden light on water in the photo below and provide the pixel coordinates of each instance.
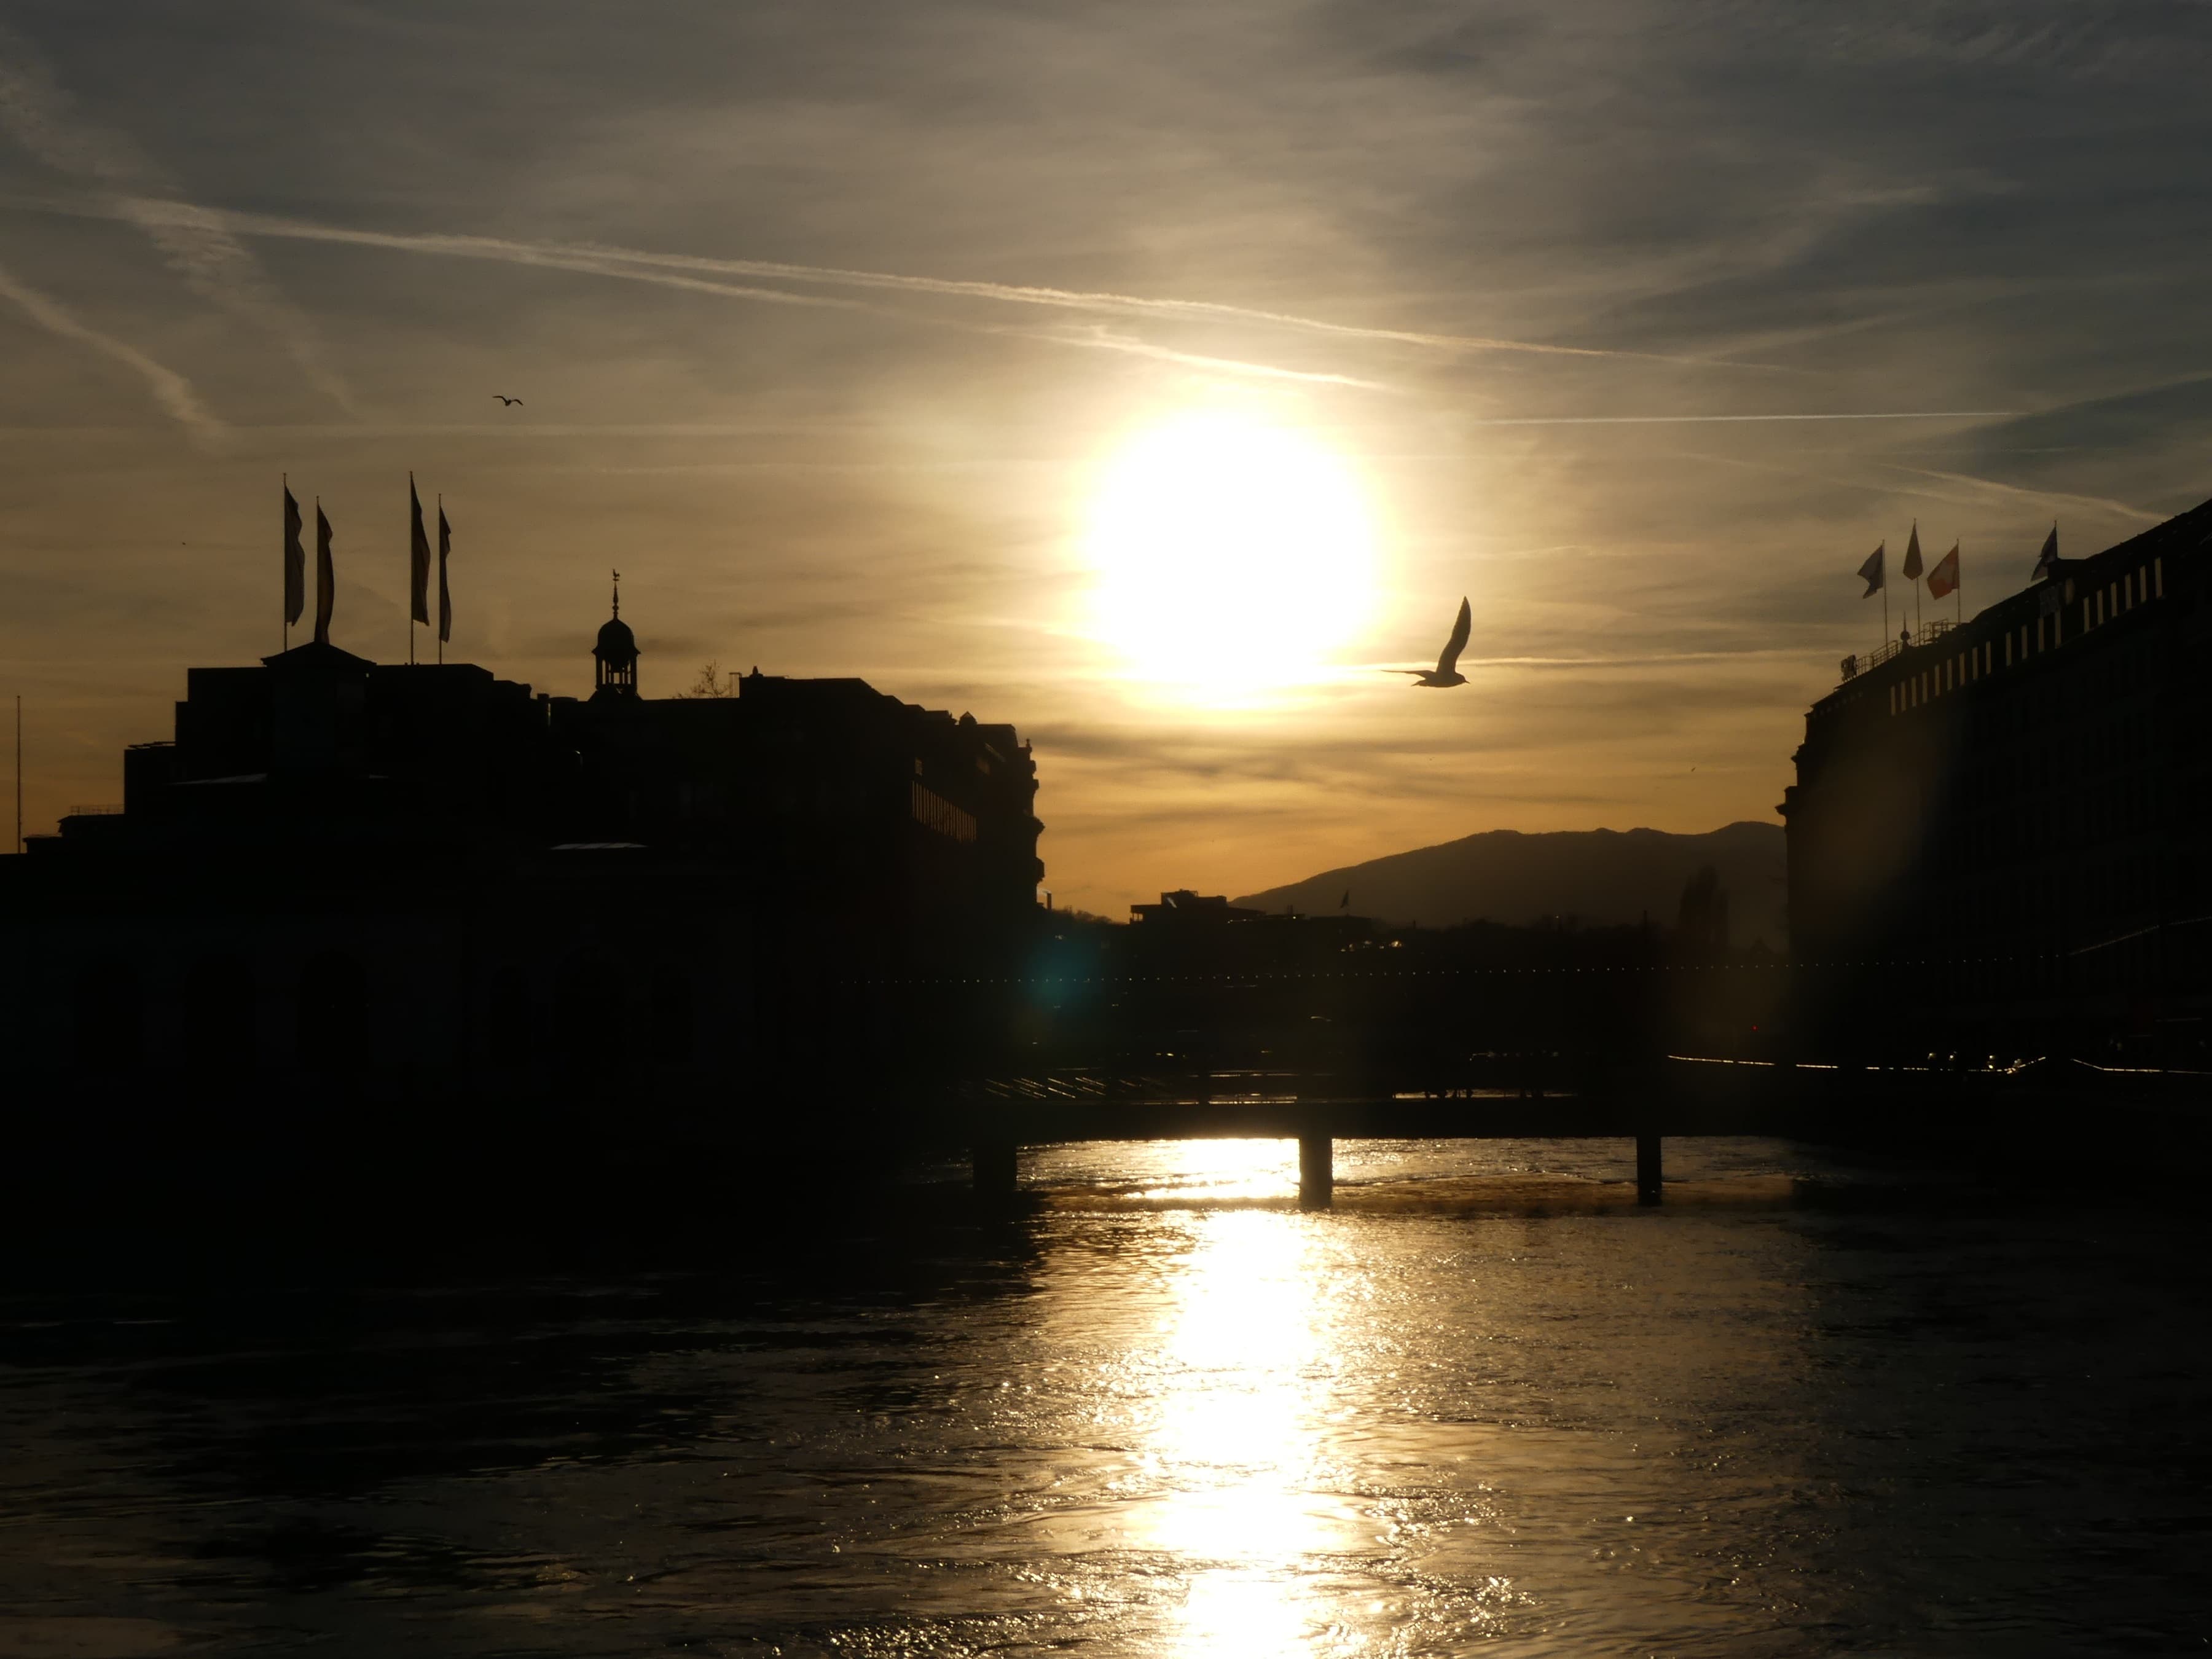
(1232, 556)
(1240, 1435)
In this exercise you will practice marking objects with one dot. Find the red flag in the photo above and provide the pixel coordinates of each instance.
(1944, 578)
(1912, 556)
(295, 562)
(326, 578)
(418, 550)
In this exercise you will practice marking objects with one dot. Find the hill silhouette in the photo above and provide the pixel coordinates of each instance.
(1601, 877)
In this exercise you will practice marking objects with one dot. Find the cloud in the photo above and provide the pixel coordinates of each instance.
(171, 390)
(36, 110)
(671, 269)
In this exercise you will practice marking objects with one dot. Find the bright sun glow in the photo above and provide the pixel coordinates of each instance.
(1233, 556)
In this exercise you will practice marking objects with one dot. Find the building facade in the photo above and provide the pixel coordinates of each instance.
(419, 884)
(1999, 833)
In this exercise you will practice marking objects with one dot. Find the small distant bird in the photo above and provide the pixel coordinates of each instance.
(1446, 672)
(504, 398)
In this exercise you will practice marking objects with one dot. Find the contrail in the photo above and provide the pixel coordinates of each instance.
(1697, 420)
(1099, 337)
(2033, 495)
(496, 247)
(214, 264)
(170, 389)
(555, 256)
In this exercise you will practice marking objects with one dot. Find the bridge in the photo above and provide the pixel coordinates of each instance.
(2001, 1115)
(999, 1116)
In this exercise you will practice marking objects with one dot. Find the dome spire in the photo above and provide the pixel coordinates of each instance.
(614, 655)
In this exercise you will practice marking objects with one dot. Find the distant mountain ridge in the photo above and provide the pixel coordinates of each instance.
(1603, 877)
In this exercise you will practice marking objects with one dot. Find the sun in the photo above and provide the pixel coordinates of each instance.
(1232, 556)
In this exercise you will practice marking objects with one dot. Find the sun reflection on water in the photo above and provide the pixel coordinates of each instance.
(1237, 1436)
(1220, 1169)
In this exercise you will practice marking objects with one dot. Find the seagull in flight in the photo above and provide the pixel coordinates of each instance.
(1446, 672)
(504, 398)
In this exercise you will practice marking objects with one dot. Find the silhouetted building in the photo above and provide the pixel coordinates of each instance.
(426, 880)
(1183, 907)
(1998, 835)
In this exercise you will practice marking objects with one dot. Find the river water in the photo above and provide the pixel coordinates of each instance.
(1484, 1405)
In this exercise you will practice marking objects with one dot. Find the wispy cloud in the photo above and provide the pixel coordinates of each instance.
(170, 389)
(1698, 420)
(1996, 487)
(40, 113)
(665, 267)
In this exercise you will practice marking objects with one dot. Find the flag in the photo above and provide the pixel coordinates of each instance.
(1870, 573)
(2047, 563)
(295, 562)
(1912, 557)
(1344, 903)
(445, 593)
(326, 578)
(1944, 578)
(418, 556)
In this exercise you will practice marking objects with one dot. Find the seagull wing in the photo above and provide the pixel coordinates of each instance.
(1449, 663)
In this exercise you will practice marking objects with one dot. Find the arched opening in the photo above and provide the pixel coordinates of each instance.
(507, 1023)
(108, 1013)
(333, 990)
(590, 1019)
(675, 1035)
(216, 1003)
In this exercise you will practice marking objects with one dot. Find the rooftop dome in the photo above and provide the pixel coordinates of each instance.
(616, 642)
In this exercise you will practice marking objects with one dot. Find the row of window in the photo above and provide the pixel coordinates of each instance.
(1948, 675)
(932, 811)
(2135, 587)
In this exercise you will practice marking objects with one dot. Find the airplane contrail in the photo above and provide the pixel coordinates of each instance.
(1698, 420)
(214, 264)
(558, 257)
(170, 389)
(1997, 486)
(565, 253)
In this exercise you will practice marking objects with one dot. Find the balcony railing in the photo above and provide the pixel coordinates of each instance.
(1854, 666)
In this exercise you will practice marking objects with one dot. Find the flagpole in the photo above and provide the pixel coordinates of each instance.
(19, 771)
(284, 598)
(442, 581)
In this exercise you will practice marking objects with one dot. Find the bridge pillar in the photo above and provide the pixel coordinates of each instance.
(1647, 1169)
(992, 1163)
(1316, 1172)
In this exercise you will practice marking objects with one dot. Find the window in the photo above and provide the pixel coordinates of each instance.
(2157, 576)
(215, 998)
(932, 811)
(674, 1030)
(332, 988)
(109, 1009)
(509, 1025)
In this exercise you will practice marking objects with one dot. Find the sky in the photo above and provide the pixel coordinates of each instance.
(839, 328)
